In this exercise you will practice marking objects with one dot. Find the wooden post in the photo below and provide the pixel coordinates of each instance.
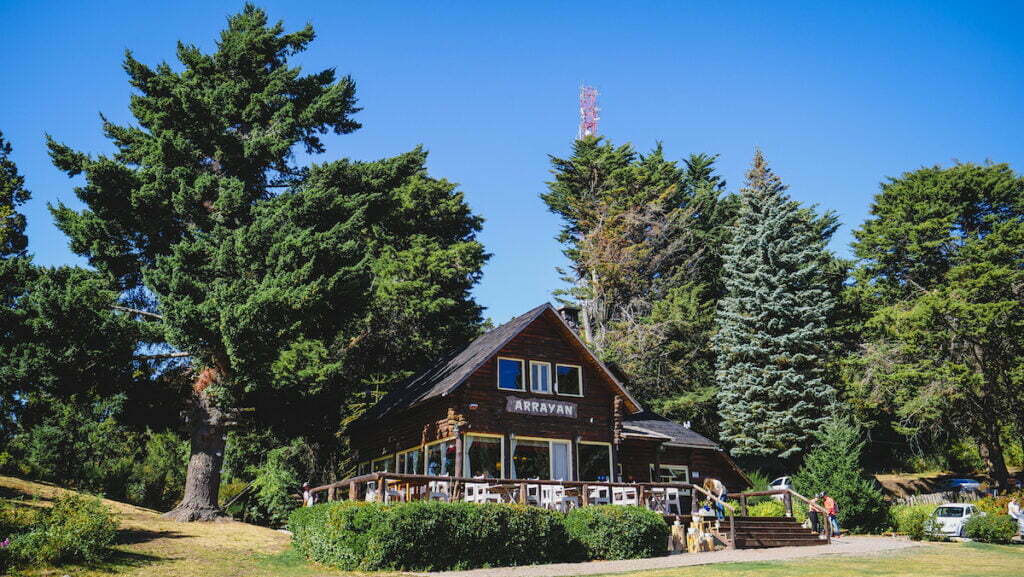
(458, 454)
(330, 493)
(694, 503)
(732, 530)
(787, 499)
(353, 492)
(743, 505)
(522, 493)
(585, 495)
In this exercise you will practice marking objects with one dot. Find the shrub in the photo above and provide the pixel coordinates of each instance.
(997, 505)
(75, 529)
(275, 482)
(991, 528)
(616, 532)
(424, 536)
(770, 508)
(913, 521)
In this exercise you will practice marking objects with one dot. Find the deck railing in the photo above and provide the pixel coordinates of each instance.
(387, 487)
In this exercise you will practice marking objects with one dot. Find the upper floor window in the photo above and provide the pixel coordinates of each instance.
(569, 380)
(540, 377)
(511, 375)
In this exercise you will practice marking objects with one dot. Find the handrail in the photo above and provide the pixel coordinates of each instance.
(788, 495)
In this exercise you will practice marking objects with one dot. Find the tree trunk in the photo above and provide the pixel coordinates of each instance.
(991, 450)
(202, 481)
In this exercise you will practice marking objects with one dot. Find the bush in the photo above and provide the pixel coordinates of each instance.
(770, 508)
(424, 536)
(616, 532)
(991, 528)
(997, 505)
(75, 529)
(275, 482)
(913, 521)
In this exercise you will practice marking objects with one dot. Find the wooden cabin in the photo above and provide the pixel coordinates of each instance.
(528, 400)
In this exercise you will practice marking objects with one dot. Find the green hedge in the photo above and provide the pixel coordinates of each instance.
(617, 532)
(76, 529)
(431, 536)
(991, 528)
(425, 536)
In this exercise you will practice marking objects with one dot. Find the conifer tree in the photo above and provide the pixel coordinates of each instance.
(12, 194)
(772, 322)
(289, 288)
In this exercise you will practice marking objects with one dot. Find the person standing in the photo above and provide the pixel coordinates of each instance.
(307, 496)
(1015, 511)
(812, 513)
(833, 513)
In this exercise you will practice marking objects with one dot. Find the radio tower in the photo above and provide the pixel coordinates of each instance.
(588, 112)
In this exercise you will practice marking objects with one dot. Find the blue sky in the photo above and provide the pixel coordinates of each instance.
(838, 95)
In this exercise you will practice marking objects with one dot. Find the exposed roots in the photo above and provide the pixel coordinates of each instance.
(184, 514)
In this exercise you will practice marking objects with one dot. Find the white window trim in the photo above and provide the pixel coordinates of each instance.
(602, 444)
(497, 371)
(551, 381)
(579, 373)
(551, 454)
(501, 443)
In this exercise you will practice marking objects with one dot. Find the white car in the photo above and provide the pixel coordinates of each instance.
(780, 483)
(949, 518)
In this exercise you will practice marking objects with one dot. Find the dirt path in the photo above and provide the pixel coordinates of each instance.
(844, 546)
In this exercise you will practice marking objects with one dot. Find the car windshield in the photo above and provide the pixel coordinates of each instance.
(949, 512)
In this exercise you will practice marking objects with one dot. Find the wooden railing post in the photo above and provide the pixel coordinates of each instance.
(787, 499)
(522, 493)
(585, 495)
(353, 492)
(743, 505)
(732, 530)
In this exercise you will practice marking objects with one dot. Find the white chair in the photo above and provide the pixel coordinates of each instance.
(625, 496)
(371, 491)
(480, 493)
(599, 496)
(439, 491)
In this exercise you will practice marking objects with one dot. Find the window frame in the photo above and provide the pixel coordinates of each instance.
(670, 467)
(579, 373)
(522, 371)
(394, 462)
(465, 452)
(551, 454)
(551, 382)
(400, 458)
(426, 458)
(363, 468)
(611, 461)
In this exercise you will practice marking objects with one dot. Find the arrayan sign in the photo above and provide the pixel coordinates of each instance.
(540, 407)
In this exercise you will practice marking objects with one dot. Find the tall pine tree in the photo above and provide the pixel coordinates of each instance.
(290, 288)
(772, 334)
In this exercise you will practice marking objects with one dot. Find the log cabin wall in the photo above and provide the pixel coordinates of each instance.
(540, 341)
(405, 430)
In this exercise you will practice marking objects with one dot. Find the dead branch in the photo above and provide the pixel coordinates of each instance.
(138, 312)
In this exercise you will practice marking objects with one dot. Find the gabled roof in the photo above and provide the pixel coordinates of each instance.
(654, 426)
(451, 371)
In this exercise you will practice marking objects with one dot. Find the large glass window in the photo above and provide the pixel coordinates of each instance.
(441, 459)
(569, 380)
(540, 377)
(511, 375)
(541, 459)
(483, 456)
(672, 474)
(385, 464)
(410, 462)
(595, 461)
(364, 468)
(532, 460)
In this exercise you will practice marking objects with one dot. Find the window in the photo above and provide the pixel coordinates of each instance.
(410, 462)
(383, 464)
(569, 380)
(950, 512)
(540, 377)
(484, 456)
(541, 459)
(510, 374)
(672, 474)
(441, 459)
(364, 468)
(595, 461)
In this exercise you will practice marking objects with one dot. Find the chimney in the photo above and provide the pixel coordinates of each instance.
(571, 316)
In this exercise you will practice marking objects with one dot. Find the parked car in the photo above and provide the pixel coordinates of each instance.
(780, 483)
(949, 518)
(961, 485)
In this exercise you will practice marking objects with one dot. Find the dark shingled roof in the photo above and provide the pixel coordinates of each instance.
(448, 373)
(655, 426)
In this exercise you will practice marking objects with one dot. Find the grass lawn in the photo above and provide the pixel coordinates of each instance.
(930, 560)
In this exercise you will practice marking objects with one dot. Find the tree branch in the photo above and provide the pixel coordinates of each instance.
(162, 356)
(138, 312)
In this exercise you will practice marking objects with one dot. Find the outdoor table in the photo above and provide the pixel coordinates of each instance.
(506, 490)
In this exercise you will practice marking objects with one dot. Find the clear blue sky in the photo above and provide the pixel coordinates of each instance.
(838, 96)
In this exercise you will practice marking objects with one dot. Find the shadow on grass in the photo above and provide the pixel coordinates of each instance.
(135, 536)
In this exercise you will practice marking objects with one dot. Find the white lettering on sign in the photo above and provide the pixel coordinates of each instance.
(540, 407)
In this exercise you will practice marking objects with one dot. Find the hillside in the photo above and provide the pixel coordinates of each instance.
(151, 546)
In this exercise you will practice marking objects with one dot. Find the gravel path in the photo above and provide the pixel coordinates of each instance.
(844, 546)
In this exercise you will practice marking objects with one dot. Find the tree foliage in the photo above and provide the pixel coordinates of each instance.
(772, 340)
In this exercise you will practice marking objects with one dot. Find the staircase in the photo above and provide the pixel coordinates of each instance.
(760, 532)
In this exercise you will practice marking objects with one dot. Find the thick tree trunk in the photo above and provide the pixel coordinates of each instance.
(991, 450)
(202, 481)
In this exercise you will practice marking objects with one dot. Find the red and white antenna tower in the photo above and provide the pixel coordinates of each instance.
(588, 112)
